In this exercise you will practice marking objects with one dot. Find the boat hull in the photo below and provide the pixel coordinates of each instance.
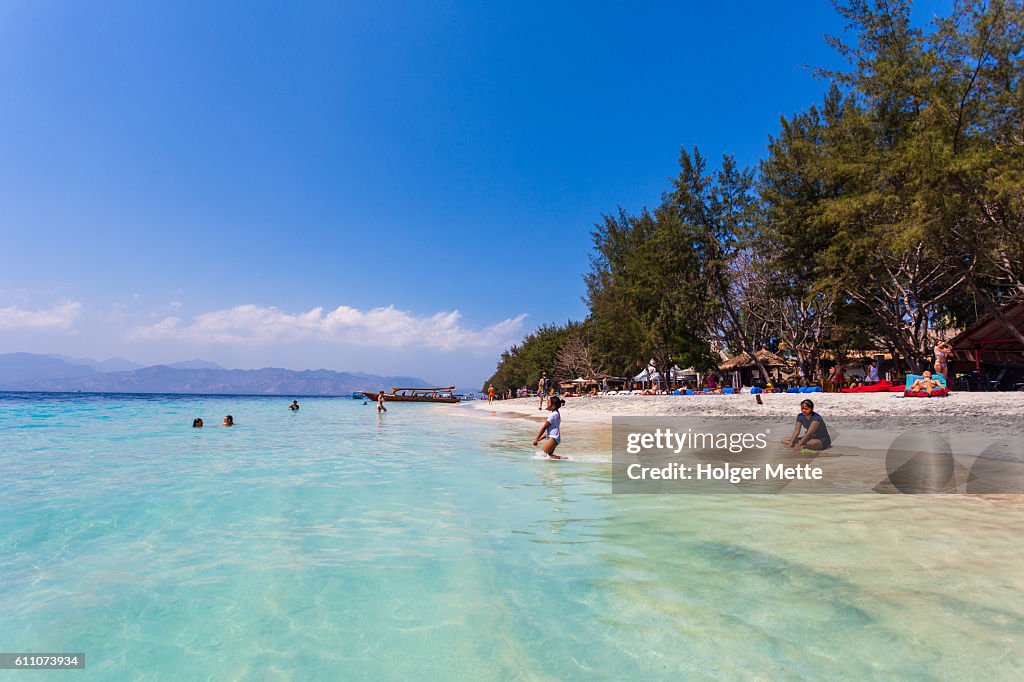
(390, 398)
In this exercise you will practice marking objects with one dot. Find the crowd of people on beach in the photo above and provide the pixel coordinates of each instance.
(834, 380)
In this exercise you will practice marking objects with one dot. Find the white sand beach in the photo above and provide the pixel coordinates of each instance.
(971, 421)
(957, 411)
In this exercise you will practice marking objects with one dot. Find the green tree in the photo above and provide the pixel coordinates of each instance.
(722, 215)
(793, 184)
(522, 364)
(884, 261)
(647, 291)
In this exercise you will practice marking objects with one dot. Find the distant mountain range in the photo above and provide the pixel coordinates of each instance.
(31, 372)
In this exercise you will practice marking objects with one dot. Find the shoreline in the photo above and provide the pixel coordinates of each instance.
(974, 424)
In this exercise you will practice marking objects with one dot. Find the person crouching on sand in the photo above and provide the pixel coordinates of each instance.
(552, 427)
(816, 437)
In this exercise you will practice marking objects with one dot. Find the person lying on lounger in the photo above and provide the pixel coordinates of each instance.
(925, 383)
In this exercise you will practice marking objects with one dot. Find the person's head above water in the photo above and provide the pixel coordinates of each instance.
(197, 423)
(229, 420)
(807, 407)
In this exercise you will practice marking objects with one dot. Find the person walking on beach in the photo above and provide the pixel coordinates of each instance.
(552, 429)
(490, 394)
(816, 437)
(543, 385)
(380, 403)
(294, 407)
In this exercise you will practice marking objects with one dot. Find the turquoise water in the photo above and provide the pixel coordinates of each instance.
(427, 544)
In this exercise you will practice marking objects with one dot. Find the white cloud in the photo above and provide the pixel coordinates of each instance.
(60, 316)
(382, 327)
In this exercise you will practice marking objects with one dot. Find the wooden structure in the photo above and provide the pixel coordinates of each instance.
(416, 395)
(987, 355)
(745, 369)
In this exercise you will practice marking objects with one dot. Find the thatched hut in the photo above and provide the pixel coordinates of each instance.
(744, 370)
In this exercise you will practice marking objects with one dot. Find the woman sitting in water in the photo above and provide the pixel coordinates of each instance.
(552, 428)
(816, 437)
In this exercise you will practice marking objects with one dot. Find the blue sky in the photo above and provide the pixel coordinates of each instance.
(380, 186)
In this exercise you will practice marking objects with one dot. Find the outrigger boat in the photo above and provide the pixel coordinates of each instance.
(416, 395)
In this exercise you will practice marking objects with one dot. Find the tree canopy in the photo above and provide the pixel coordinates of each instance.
(887, 212)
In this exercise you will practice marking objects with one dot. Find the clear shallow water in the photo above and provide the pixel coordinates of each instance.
(427, 544)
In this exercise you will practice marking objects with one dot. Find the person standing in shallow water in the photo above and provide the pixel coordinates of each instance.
(553, 429)
(490, 394)
(294, 407)
(380, 403)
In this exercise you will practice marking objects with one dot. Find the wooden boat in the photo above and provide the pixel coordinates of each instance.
(416, 395)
